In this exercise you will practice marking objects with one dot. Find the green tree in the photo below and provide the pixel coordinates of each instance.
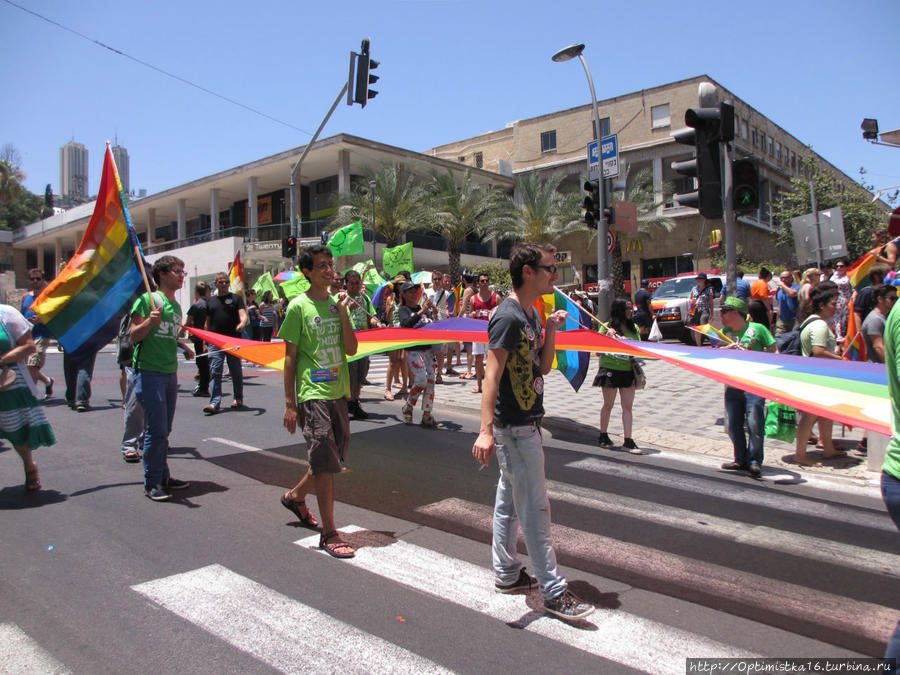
(401, 203)
(458, 211)
(861, 215)
(544, 213)
(650, 221)
(18, 206)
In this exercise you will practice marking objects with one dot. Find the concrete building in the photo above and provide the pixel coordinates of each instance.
(123, 165)
(73, 171)
(643, 121)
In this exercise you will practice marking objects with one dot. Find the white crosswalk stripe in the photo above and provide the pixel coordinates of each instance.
(284, 633)
(21, 654)
(660, 649)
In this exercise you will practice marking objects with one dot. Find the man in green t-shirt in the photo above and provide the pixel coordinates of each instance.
(890, 470)
(318, 337)
(741, 406)
(155, 325)
(362, 316)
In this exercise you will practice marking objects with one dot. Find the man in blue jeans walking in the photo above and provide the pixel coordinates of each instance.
(226, 315)
(155, 325)
(512, 406)
(742, 406)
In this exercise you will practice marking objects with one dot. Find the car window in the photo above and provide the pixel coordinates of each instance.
(677, 288)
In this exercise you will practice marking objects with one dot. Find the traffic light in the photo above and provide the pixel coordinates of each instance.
(365, 64)
(591, 204)
(707, 128)
(746, 185)
(289, 247)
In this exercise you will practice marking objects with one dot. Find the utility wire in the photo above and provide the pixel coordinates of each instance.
(159, 70)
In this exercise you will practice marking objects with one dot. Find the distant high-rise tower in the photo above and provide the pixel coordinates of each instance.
(73, 171)
(120, 154)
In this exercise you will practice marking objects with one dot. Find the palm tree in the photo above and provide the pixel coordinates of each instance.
(650, 222)
(458, 211)
(400, 203)
(543, 213)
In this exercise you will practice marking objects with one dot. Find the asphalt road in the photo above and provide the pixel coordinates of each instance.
(682, 559)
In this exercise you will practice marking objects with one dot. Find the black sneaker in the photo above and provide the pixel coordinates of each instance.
(356, 411)
(157, 494)
(200, 393)
(632, 447)
(732, 466)
(604, 441)
(568, 606)
(754, 469)
(82, 407)
(523, 583)
(48, 390)
(175, 484)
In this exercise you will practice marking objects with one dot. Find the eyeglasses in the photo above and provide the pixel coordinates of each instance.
(221, 281)
(725, 310)
(838, 267)
(549, 268)
(35, 278)
(179, 272)
(484, 281)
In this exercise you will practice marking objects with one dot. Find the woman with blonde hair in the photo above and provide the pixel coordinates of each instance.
(808, 282)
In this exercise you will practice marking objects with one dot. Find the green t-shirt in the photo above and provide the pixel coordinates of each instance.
(891, 345)
(360, 310)
(158, 351)
(619, 361)
(754, 337)
(315, 327)
(817, 334)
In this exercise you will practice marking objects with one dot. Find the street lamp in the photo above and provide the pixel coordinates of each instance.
(603, 283)
(372, 193)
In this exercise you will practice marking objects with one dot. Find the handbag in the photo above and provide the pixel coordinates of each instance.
(781, 422)
(640, 379)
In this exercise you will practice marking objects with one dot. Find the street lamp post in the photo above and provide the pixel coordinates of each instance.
(372, 193)
(603, 282)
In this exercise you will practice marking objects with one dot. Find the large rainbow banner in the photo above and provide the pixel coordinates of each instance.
(81, 305)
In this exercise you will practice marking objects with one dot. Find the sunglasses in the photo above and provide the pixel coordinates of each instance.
(35, 278)
(549, 268)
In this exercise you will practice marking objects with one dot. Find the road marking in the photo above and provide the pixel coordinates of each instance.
(21, 654)
(738, 493)
(608, 633)
(803, 546)
(234, 444)
(276, 629)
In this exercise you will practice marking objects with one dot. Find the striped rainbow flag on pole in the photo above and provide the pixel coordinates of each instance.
(82, 305)
(573, 364)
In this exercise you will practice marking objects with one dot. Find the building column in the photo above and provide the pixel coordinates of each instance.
(40, 259)
(343, 171)
(214, 212)
(57, 259)
(151, 225)
(253, 207)
(658, 183)
(181, 233)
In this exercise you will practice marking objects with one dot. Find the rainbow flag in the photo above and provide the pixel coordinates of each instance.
(859, 270)
(572, 364)
(236, 276)
(82, 305)
(454, 301)
(855, 349)
(380, 292)
(716, 337)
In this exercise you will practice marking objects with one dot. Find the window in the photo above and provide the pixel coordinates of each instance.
(793, 161)
(548, 141)
(771, 147)
(461, 159)
(604, 127)
(479, 160)
(755, 135)
(778, 154)
(659, 116)
(745, 134)
(762, 142)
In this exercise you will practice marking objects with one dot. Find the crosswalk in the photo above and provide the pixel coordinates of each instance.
(298, 634)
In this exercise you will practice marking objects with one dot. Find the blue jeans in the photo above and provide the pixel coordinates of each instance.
(741, 407)
(133, 434)
(157, 393)
(78, 374)
(522, 498)
(217, 358)
(890, 492)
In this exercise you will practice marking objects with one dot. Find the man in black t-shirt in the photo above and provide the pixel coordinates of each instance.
(643, 314)
(512, 406)
(196, 317)
(226, 315)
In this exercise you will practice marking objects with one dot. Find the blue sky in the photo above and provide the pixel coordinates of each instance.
(449, 70)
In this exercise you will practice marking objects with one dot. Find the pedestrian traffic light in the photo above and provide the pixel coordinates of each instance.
(746, 185)
(708, 127)
(289, 247)
(365, 64)
(591, 204)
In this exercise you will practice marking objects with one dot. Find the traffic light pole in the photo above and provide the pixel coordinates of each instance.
(295, 202)
(730, 224)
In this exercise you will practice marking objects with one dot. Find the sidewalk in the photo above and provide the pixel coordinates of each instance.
(678, 411)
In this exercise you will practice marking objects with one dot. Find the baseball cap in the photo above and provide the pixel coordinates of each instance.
(732, 302)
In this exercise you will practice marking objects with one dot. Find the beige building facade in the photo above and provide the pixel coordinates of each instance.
(643, 121)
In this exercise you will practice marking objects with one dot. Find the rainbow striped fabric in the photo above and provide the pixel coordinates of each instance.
(860, 269)
(236, 276)
(716, 337)
(81, 306)
(572, 364)
(856, 345)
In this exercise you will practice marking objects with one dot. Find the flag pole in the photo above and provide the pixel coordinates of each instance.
(140, 264)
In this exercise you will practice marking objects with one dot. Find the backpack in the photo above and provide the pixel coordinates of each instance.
(789, 343)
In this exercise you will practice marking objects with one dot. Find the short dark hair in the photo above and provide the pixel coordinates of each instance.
(880, 291)
(526, 253)
(822, 295)
(306, 255)
(764, 273)
(164, 264)
(36, 270)
(201, 289)
(352, 274)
